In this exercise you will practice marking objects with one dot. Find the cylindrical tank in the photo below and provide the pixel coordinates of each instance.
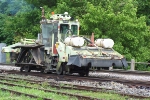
(74, 41)
(105, 43)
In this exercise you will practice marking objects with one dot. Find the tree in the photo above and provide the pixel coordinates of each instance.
(76, 8)
(22, 22)
(26, 25)
(125, 21)
(6, 36)
(144, 9)
(118, 21)
(41, 3)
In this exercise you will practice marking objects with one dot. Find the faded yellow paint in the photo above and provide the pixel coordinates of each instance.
(57, 44)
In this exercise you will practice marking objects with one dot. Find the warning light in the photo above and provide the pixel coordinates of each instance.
(53, 13)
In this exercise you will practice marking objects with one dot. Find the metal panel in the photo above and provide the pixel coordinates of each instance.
(37, 55)
(2, 55)
(74, 60)
(95, 62)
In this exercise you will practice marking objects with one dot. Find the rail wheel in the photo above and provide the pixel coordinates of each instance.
(45, 71)
(27, 59)
(21, 69)
(82, 74)
(27, 68)
(59, 69)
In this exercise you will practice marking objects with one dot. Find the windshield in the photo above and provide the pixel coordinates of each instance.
(64, 29)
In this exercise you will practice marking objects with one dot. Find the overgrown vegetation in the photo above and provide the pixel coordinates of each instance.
(125, 21)
(102, 95)
(5, 95)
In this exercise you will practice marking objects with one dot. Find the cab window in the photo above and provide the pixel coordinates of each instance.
(74, 29)
(63, 29)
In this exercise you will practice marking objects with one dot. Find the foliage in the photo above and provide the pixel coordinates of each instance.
(144, 9)
(25, 22)
(6, 35)
(41, 3)
(122, 25)
(74, 7)
(125, 21)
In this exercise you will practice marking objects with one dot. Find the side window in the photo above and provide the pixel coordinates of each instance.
(47, 34)
(74, 29)
(64, 28)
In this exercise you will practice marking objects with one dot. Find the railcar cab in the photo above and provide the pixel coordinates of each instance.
(55, 29)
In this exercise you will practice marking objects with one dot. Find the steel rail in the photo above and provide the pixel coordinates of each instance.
(89, 79)
(77, 87)
(128, 72)
(20, 93)
(57, 92)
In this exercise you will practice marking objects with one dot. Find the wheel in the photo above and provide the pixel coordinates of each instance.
(85, 71)
(21, 69)
(81, 74)
(27, 68)
(45, 71)
(27, 59)
(59, 70)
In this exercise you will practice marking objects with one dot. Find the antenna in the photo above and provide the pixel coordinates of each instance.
(43, 15)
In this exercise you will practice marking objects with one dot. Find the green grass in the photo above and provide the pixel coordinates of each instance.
(37, 92)
(5, 95)
(101, 95)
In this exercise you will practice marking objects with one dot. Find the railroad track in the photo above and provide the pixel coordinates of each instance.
(75, 87)
(25, 94)
(70, 78)
(143, 73)
(10, 64)
(135, 83)
(10, 82)
(56, 85)
(118, 71)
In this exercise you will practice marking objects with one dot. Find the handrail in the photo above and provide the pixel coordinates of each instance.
(132, 64)
(138, 62)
